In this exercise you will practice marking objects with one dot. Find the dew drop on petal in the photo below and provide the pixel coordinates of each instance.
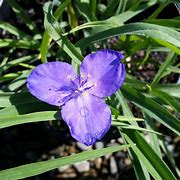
(84, 112)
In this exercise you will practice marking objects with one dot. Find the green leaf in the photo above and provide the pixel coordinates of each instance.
(110, 9)
(125, 118)
(131, 80)
(83, 7)
(153, 163)
(169, 60)
(154, 141)
(169, 155)
(149, 159)
(113, 21)
(13, 30)
(141, 29)
(165, 98)
(53, 29)
(150, 106)
(162, 5)
(41, 167)
(18, 82)
(122, 6)
(125, 107)
(15, 62)
(26, 44)
(28, 112)
(171, 89)
(140, 171)
(126, 126)
(6, 121)
(23, 15)
(11, 98)
(168, 45)
(26, 107)
(8, 77)
(173, 23)
(46, 40)
(93, 5)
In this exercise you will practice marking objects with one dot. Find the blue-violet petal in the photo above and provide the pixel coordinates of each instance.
(88, 118)
(104, 71)
(50, 82)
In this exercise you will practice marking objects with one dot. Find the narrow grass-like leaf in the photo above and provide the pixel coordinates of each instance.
(162, 5)
(121, 7)
(154, 164)
(23, 15)
(171, 89)
(149, 159)
(28, 118)
(173, 23)
(125, 107)
(46, 40)
(126, 126)
(26, 108)
(166, 98)
(93, 5)
(41, 167)
(141, 29)
(154, 141)
(26, 44)
(140, 171)
(28, 112)
(6, 56)
(9, 76)
(174, 69)
(53, 28)
(18, 82)
(83, 7)
(169, 156)
(169, 60)
(13, 30)
(131, 80)
(11, 98)
(15, 62)
(125, 118)
(161, 114)
(168, 45)
(113, 21)
(72, 17)
(109, 9)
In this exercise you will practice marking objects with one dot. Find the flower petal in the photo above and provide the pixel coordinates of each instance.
(105, 72)
(88, 118)
(49, 82)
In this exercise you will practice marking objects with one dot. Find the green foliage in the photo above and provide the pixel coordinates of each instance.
(68, 39)
(40, 167)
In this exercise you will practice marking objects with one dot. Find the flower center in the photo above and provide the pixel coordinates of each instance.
(81, 84)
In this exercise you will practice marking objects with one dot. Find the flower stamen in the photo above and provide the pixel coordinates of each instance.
(82, 75)
(69, 77)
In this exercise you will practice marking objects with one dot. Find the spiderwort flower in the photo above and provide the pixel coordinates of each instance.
(84, 111)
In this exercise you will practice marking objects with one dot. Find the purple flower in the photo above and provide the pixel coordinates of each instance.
(86, 114)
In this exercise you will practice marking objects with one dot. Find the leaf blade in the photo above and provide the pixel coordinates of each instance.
(40, 167)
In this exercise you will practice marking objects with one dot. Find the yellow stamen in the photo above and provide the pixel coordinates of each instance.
(69, 77)
(83, 93)
(82, 75)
